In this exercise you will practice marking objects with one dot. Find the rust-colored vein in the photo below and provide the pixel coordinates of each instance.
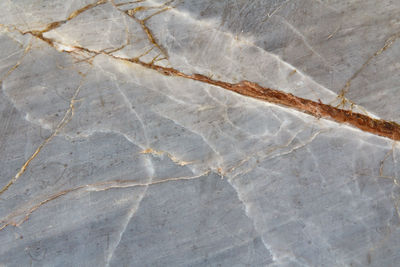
(363, 122)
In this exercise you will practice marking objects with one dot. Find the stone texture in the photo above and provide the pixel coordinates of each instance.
(107, 162)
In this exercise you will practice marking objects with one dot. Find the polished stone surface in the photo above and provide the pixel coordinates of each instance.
(104, 162)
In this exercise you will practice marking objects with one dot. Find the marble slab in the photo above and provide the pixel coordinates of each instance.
(106, 160)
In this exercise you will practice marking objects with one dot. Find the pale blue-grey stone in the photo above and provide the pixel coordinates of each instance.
(115, 164)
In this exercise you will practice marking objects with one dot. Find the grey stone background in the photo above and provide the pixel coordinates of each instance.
(113, 164)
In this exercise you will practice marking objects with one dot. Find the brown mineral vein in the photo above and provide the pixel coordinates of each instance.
(363, 122)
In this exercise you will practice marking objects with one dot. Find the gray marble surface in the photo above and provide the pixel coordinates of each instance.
(104, 162)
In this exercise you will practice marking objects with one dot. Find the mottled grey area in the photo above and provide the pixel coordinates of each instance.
(110, 163)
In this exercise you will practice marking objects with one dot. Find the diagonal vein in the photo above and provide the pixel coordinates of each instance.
(363, 122)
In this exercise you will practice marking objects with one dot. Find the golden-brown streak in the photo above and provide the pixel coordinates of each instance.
(384, 128)
(365, 123)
